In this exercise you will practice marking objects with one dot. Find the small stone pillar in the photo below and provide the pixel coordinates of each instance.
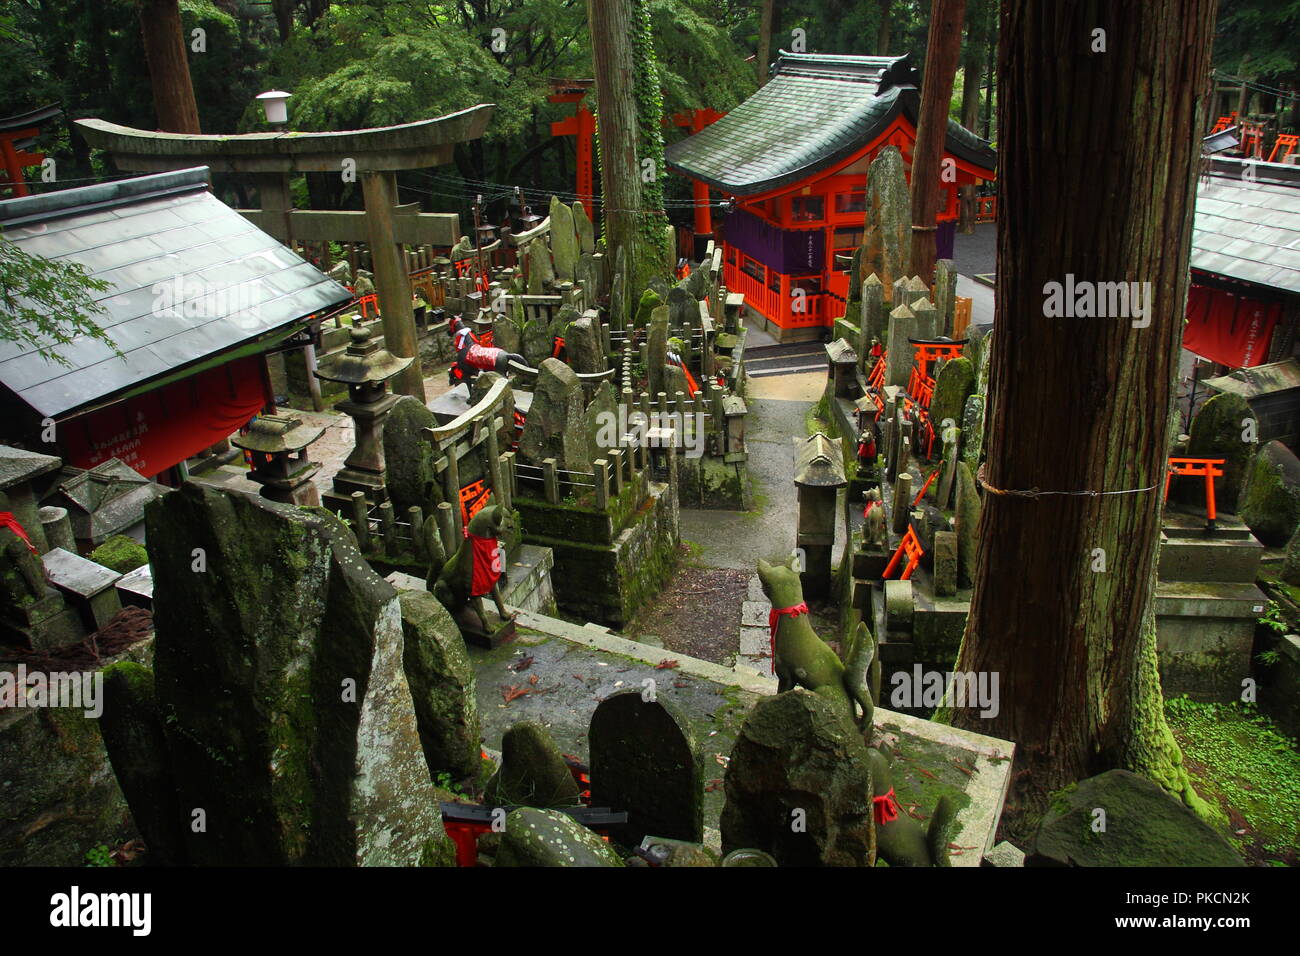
(818, 476)
(734, 411)
(58, 529)
(278, 447)
(365, 369)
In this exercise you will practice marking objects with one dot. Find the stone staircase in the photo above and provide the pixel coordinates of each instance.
(1206, 605)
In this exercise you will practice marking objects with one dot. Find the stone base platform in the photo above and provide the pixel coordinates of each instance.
(576, 667)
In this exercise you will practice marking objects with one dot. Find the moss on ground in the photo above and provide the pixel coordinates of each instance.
(818, 419)
(1239, 760)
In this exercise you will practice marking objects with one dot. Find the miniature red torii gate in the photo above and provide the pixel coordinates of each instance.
(1207, 468)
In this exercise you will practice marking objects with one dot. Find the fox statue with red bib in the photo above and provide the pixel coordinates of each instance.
(472, 358)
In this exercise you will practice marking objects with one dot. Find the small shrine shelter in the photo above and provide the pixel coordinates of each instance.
(1243, 306)
(793, 159)
(197, 297)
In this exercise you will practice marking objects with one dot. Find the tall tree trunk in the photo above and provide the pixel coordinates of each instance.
(283, 10)
(882, 37)
(941, 52)
(990, 72)
(1078, 436)
(971, 80)
(611, 23)
(169, 67)
(1243, 98)
(765, 39)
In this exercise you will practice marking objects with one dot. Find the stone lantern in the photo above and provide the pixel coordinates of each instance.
(842, 366)
(818, 475)
(365, 369)
(278, 444)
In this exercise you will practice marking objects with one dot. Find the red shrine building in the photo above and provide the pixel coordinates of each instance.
(793, 160)
(197, 297)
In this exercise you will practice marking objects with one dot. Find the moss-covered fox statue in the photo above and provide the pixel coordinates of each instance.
(803, 659)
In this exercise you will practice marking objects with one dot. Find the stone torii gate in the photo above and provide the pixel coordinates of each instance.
(373, 155)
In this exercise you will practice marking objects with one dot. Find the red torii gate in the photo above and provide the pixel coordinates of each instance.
(696, 120)
(14, 131)
(582, 126)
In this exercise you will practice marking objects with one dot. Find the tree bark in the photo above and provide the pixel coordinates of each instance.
(611, 23)
(169, 66)
(765, 39)
(941, 53)
(882, 37)
(990, 71)
(972, 77)
(283, 10)
(1097, 167)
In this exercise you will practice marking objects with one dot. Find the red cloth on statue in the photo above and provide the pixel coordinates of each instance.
(774, 618)
(482, 357)
(7, 520)
(486, 573)
(886, 807)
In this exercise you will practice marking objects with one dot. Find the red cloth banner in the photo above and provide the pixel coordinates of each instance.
(153, 431)
(1230, 329)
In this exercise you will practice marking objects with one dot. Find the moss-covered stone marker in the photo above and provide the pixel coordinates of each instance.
(645, 761)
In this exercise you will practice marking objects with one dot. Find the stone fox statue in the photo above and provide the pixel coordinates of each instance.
(474, 571)
(472, 358)
(801, 658)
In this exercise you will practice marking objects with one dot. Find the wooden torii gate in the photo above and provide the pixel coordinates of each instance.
(476, 428)
(372, 156)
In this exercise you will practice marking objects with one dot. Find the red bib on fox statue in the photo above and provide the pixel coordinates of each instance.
(487, 566)
(472, 358)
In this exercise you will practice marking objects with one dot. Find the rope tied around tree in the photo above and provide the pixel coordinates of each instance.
(1039, 493)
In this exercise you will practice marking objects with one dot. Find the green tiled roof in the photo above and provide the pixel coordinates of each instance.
(814, 112)
(1249, 228)
(144, 236)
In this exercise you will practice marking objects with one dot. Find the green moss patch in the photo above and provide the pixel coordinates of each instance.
(120, 553)
(1239, 760)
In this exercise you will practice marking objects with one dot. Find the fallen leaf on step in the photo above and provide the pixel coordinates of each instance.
(513, 692)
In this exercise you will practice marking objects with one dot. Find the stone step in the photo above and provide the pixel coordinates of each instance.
(1209, 599)
(1210, 559)
(1191, 524)
(612, 643)
(1204, 634)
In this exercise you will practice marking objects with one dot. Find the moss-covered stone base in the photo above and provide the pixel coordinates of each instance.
(609, 582)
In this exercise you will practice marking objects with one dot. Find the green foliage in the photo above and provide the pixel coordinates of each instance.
(1260, 39)
(1273, 618)
(443, 781)
(46, 302)
(1239, 758)
(100, 856)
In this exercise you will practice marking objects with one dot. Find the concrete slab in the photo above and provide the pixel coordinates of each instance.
(405, 582)
(1005, 855)
(577, 667)
(754, 613)
(76, 576)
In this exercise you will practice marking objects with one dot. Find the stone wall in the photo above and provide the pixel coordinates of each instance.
(57, 788)
(602, 574)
